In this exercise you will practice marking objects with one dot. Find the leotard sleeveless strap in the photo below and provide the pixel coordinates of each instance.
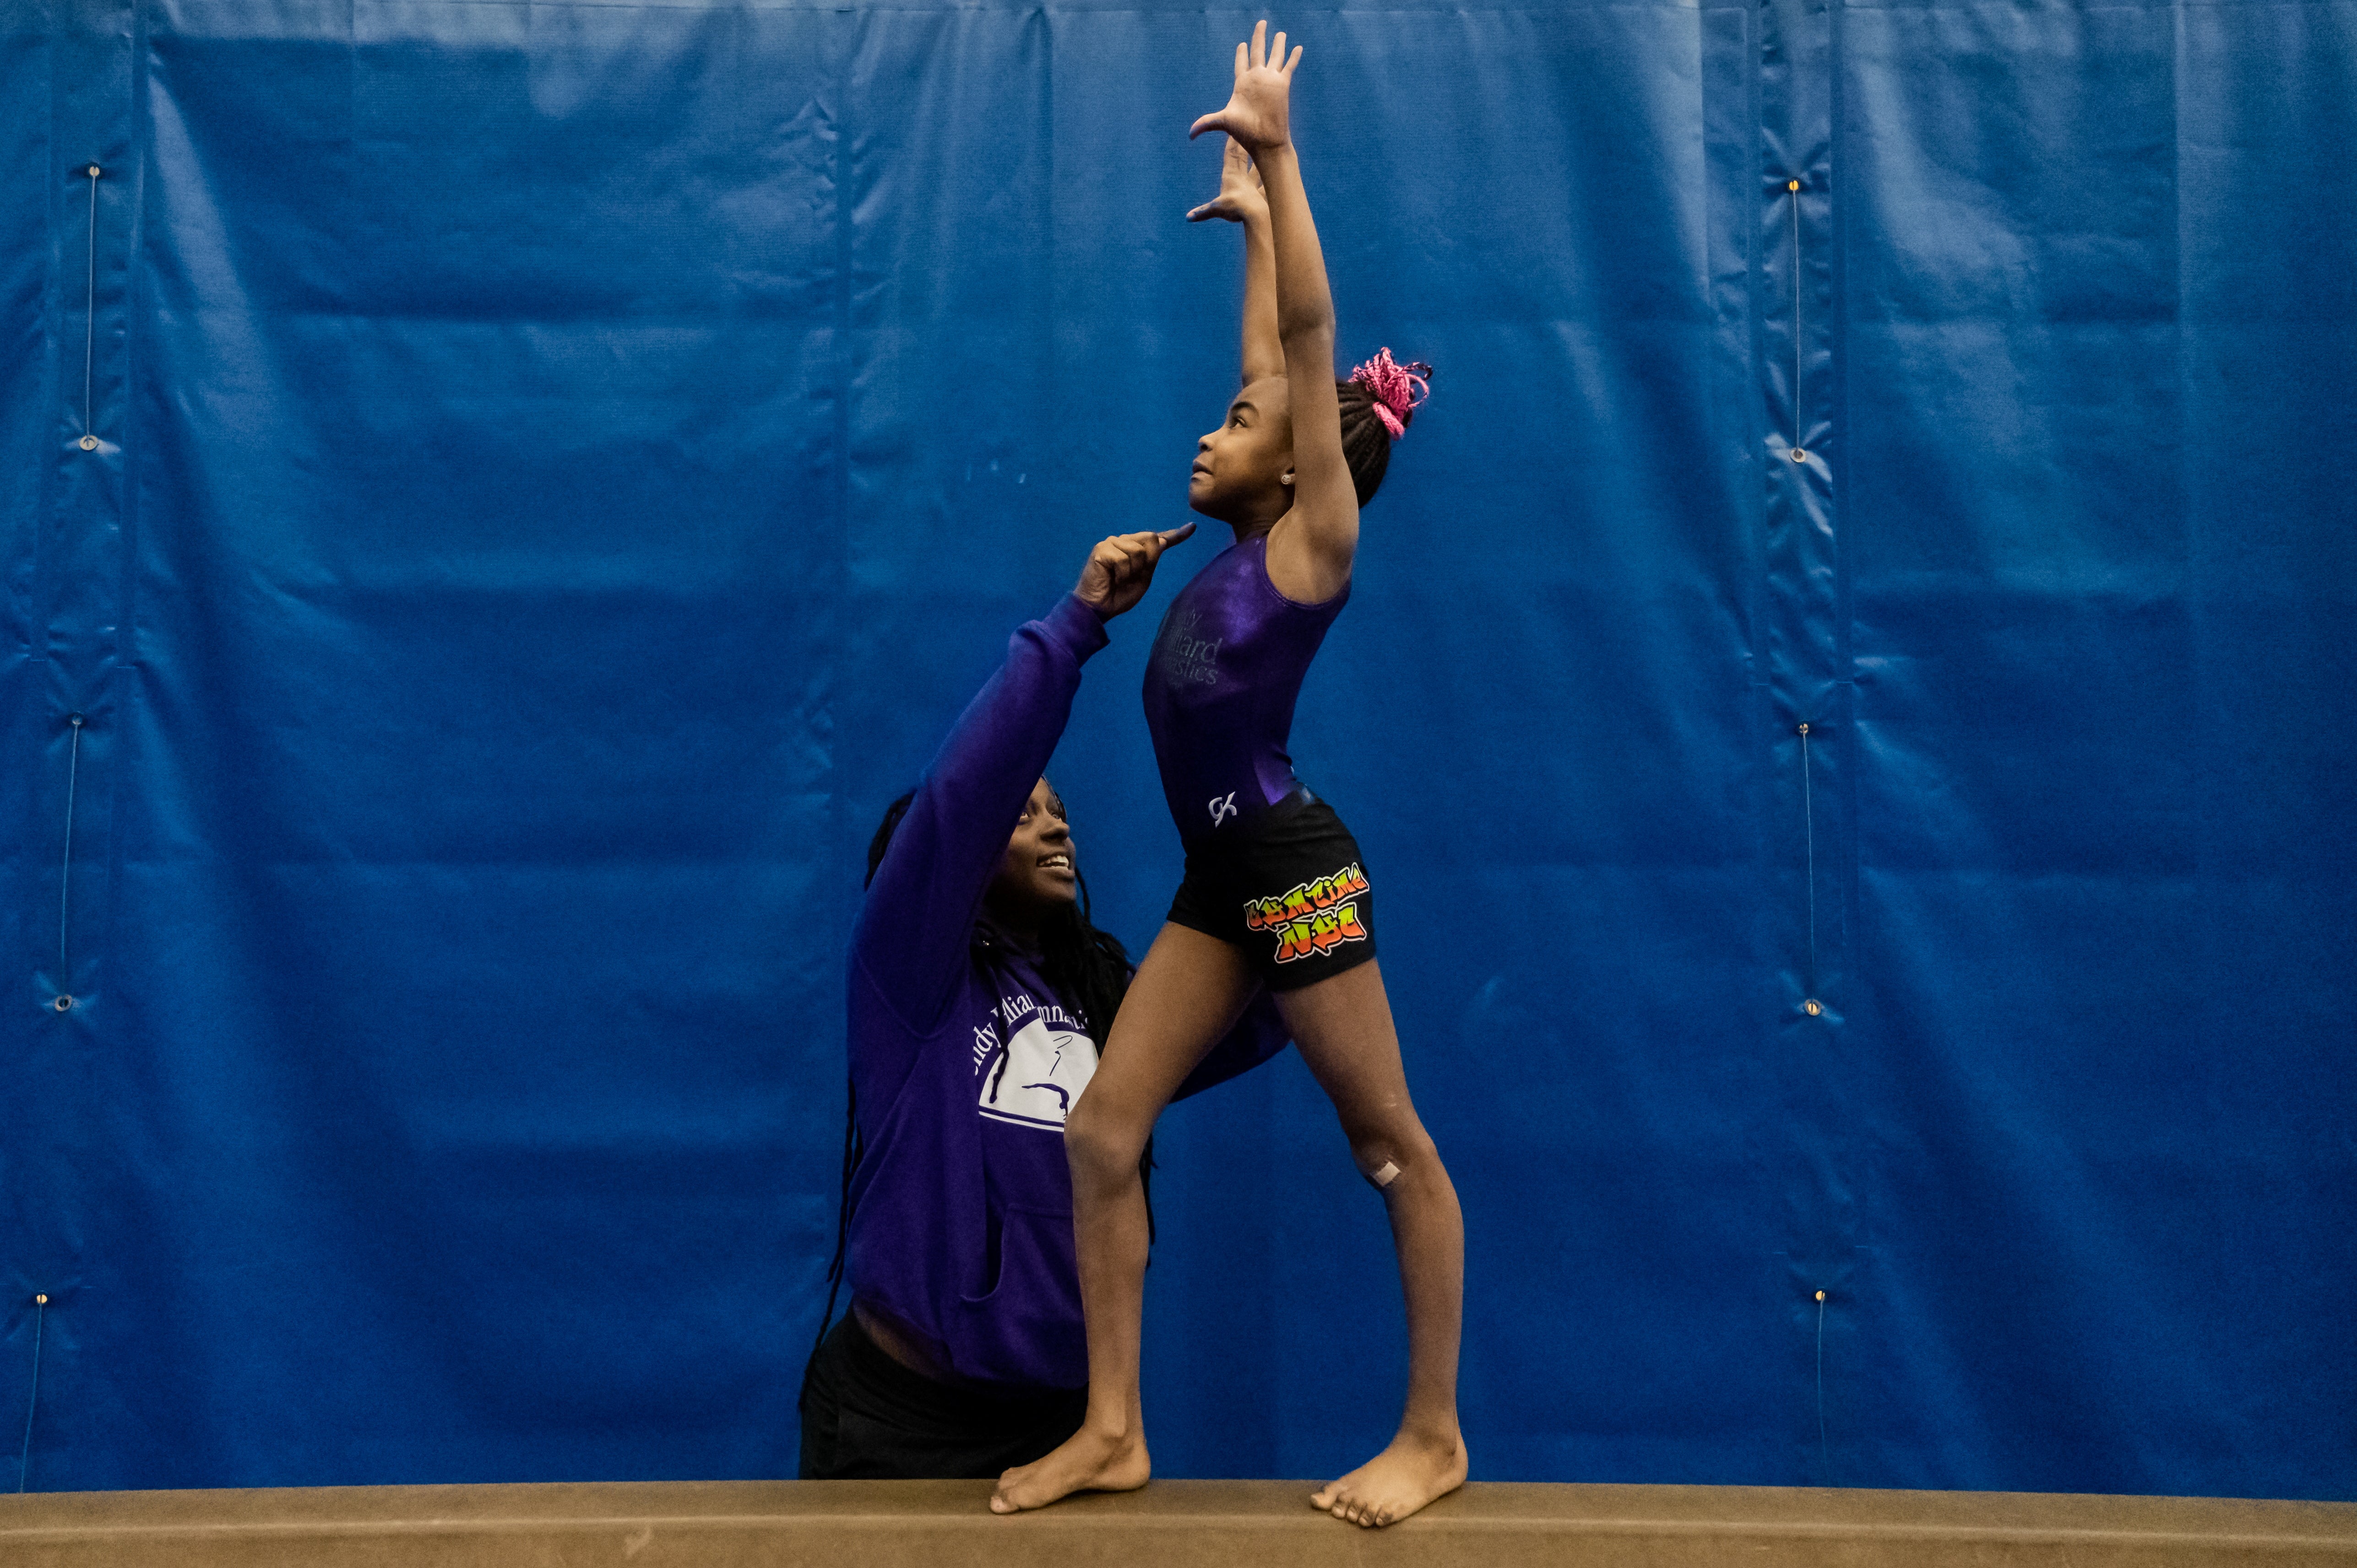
(1219, 689)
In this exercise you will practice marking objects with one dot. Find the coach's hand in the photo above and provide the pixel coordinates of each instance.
(1121, 569)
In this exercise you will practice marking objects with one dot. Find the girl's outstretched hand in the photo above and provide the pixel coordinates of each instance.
(1241, 196)
(1257, 114)
(1121, 569)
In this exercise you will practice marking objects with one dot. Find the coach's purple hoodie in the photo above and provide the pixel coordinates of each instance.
(962, 1224)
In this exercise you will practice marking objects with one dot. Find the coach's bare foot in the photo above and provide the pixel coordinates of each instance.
(1089, 1460)
(1396, 1482)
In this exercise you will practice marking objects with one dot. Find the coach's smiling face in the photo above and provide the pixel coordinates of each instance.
(1040, 873)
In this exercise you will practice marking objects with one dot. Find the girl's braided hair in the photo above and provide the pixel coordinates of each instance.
(1379, 400)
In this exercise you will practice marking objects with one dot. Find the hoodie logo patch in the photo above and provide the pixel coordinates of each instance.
(1036, 1081)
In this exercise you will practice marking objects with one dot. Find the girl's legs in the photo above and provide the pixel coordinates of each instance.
(1344, 1027)
(1187, 994)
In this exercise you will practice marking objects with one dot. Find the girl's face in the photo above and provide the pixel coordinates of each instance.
(1037, 874)
(1243, 470)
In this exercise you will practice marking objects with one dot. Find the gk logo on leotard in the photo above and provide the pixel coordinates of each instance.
(1221, 809)
(1314, 919)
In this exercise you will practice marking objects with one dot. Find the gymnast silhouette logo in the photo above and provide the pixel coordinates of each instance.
(1222, 808)
(1040, 1073)
(1314, 919)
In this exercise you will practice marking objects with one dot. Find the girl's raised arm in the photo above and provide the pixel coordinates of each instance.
(1311, 548)
(1241, 200)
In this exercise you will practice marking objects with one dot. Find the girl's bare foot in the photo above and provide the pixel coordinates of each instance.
(1087, 1461)
(1396, 1482)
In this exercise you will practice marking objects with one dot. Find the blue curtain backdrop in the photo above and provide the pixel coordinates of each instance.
(553, 469)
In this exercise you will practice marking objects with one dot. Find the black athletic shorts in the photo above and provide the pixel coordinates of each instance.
(1289, 888)
(866, 1417)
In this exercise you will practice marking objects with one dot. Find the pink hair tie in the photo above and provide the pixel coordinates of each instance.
(1395, 389)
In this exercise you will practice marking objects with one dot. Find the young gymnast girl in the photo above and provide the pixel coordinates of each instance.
(1274, 894)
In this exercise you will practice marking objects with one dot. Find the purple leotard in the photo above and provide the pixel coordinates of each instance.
(1219, 689)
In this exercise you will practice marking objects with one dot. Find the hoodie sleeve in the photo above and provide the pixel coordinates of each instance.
(911, 941)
